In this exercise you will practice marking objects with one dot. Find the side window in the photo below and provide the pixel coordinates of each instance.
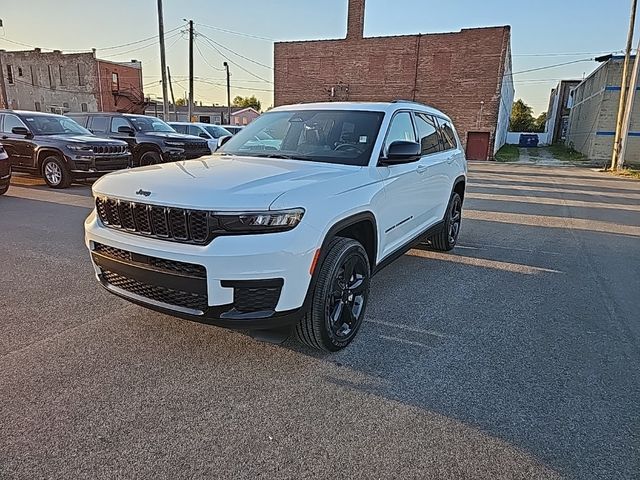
(448, 135)
(99, 124)
(11, 121)
(428, 134)
(193, 130)
(401, 128)
(180, 128)
(117, 122)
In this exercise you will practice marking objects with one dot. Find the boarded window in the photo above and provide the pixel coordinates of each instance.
(10, 74)
(81, 75)
(83, 107)
(52, 83)
(38, 107)
(34, 76)
(61, 75)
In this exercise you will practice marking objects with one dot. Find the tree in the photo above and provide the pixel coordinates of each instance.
(541, 123)
(181, 102)
(521, 117)
(245, 102)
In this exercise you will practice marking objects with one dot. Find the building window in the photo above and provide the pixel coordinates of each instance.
(34, 76)
(115, 83)
(10, 74)
(83, 107)
(81, 81)
(51, 82)
(61, 75)
(38, 108)
(19, 71)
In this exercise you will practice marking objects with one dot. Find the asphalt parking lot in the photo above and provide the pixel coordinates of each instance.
(516, 356)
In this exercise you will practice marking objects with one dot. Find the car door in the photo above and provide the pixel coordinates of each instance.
(400, 216)
(19, 148)
(434, 169)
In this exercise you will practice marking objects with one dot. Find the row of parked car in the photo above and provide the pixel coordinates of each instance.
(86, 145)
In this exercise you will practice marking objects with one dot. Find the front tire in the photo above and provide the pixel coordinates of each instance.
(447, 238)
(55, 172)
(150, 158)
(339, 298)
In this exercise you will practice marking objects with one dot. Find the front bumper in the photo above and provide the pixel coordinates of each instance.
(247, 282)
(89, 165)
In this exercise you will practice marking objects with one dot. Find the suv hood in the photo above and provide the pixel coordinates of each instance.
(88, 139)
(178, 137)
(217, 183)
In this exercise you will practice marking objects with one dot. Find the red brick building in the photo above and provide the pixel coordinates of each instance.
(120, 86)
(466, 74)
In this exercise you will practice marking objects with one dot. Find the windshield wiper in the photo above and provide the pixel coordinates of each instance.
(284, 156)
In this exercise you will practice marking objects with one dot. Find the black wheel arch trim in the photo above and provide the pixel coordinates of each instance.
(41, 152)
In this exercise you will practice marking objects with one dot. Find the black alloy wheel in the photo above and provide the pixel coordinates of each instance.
(339, 298)
(447, 237)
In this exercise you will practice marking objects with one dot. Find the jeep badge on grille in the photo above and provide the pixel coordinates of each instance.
(146, 193)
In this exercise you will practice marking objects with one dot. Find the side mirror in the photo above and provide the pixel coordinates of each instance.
(402, 151)
(126, 130)
(204, 135)
(224, 139)
(21, 131)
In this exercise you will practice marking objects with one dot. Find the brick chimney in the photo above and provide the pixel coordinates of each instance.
(355, 20)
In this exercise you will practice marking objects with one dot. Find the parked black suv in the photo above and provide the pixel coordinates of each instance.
(5, 171)
(58, 148)
(150, 139)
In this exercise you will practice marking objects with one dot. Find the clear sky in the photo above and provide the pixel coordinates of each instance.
(545, 32)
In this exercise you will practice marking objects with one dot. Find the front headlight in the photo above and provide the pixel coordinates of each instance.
(173, 143)
(260, 222)
(79, 148)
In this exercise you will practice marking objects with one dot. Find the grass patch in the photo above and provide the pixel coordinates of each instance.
(628, 173)
(508, 153)
(567, 154)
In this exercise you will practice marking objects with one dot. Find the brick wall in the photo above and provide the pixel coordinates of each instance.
(127, 95)
(453, 72)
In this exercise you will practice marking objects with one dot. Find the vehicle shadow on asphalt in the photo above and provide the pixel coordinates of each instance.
(514, 333)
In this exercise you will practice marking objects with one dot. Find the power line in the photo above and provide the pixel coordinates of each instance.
(205, 59)
(551, 66)
(212, 45)
(232, 32)
(176, 35)
(112, 47)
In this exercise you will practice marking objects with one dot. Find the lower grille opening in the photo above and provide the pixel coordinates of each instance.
(169, 296)
(256, 295)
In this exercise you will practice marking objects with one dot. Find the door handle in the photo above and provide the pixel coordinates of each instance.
(422, 168)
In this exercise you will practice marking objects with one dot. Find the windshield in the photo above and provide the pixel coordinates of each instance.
(54, 125)
(217, 132)
(150, 124)
(332, 136)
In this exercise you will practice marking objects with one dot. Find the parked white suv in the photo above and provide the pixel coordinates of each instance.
(285, 233)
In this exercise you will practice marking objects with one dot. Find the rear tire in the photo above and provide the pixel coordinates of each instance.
(447, 238)
(339, 298)
(4, 189)
(55, 172)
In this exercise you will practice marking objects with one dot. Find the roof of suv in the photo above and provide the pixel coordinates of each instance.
(387, 107)
(29, 112)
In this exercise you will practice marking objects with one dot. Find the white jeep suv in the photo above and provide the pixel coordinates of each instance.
(283, 234)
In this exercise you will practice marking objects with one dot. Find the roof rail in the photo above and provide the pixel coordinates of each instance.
(402, 100)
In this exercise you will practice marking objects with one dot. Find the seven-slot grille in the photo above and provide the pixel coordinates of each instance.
(109, 149)
(166, 223)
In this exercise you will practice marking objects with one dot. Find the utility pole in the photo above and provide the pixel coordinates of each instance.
(163, 64)
(190, 112)
(623, 88)
(226, 66)
(626, 123)
(173, 99)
